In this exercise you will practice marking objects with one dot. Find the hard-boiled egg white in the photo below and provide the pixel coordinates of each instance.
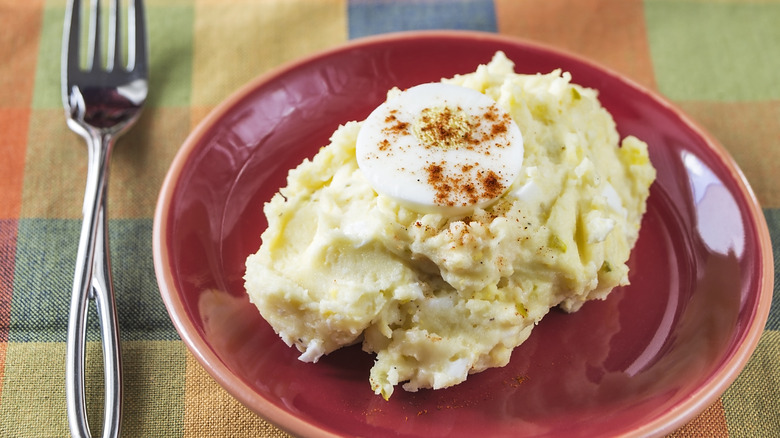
(440, 148)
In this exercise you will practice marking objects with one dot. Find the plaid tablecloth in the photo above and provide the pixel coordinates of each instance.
(718, 60)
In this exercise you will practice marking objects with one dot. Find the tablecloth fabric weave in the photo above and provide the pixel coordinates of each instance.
(717, 60)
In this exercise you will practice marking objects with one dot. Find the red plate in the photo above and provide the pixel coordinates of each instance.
(644, 361)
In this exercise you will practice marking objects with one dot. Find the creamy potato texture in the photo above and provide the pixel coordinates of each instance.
(438, 297)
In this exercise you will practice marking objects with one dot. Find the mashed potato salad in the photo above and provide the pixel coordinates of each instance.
(439, 288)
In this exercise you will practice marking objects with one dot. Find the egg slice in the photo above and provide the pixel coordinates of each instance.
(440, 148)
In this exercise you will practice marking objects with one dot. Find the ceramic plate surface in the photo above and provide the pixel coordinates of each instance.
(644, 361)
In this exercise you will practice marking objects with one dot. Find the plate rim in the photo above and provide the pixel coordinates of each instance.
(675, 417)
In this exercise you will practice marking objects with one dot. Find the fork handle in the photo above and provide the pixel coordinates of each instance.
(93, 281)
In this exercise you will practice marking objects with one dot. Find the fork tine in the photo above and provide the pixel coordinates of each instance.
(93, 50)
(136, 37)
(72, 53)
(114, 56)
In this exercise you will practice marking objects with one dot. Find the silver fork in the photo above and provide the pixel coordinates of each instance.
(101, 101)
